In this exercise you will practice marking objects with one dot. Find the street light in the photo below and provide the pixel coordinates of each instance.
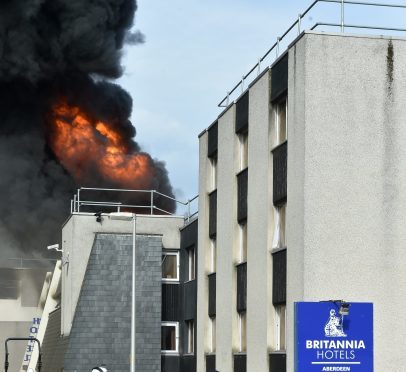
(127, 216)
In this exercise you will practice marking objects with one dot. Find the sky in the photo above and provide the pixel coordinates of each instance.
(194, 52)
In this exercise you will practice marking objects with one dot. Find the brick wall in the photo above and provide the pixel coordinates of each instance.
(101, 327)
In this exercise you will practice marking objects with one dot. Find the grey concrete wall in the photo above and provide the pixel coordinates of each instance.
(101, 327)
(347, 181)
(203, 256)
(259, 266)
(226, 315)
(78, 235)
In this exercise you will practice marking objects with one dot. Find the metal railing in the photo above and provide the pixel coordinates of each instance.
(80, 204)
(298, 25)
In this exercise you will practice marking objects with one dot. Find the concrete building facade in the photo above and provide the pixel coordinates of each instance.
(302, 182)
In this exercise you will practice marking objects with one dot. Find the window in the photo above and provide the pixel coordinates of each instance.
(243, 137)
(242, 332)
(170, 266)
(170, 337)
(280, 133)
(279, 240)
(213, 177)
(191, 263)
(242, 252)
(212, 264)
(212, 334)
(190, 345)
(280, 327)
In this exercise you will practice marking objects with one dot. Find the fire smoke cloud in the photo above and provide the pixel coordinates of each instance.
(55, 52)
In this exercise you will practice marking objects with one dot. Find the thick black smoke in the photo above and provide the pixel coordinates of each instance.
(52, 50)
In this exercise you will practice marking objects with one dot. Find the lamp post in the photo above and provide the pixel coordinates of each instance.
(126, 216)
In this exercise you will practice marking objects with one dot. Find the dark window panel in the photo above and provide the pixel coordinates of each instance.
(280, 167)
(188, 235)
(189, 300)
(242, 287)
(212, 140)
(279, 277)
(211, 363)
(170, 302)
(277, 362)
(170, 363)
(188, 363)
(242, 183)
(213, 214)
(240, 362)
(279, 78)
(241, 114)
(212, 294)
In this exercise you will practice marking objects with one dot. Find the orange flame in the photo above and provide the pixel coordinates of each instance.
(84, 145)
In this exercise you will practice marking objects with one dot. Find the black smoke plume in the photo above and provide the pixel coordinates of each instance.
(54, 50)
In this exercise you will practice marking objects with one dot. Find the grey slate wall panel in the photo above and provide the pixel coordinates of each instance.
(188, 363)
(53, 346)
(101, 327)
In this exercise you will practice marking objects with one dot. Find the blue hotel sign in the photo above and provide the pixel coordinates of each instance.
(329, 342)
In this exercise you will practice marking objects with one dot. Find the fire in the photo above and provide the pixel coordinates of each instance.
(89, 148)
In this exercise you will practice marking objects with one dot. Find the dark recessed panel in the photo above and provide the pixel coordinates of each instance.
(279, 78)
(279, 277)
(170, 363)
(242, 287)
(212, 140)
(188, 363)
(240, 362)
(188, 235)
(210, 363)
(213, 214)
(280, 173)
(242, 183)
(241, 114)
(170, 302)
(212, 294)
(189, 300)
(277, 362)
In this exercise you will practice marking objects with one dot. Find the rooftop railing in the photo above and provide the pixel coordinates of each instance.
(297, 28)
(87, 200)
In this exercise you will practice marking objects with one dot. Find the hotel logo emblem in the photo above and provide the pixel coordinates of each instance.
(334, 326)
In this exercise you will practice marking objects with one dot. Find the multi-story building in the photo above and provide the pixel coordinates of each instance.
(302, 198)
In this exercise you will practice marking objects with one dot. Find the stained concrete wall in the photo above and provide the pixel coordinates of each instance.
(100, 331)
(347, 181)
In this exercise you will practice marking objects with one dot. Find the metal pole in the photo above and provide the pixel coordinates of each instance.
(299, 21)
(132, 356)
(152, 202)
(342, 15)
(78, 210)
